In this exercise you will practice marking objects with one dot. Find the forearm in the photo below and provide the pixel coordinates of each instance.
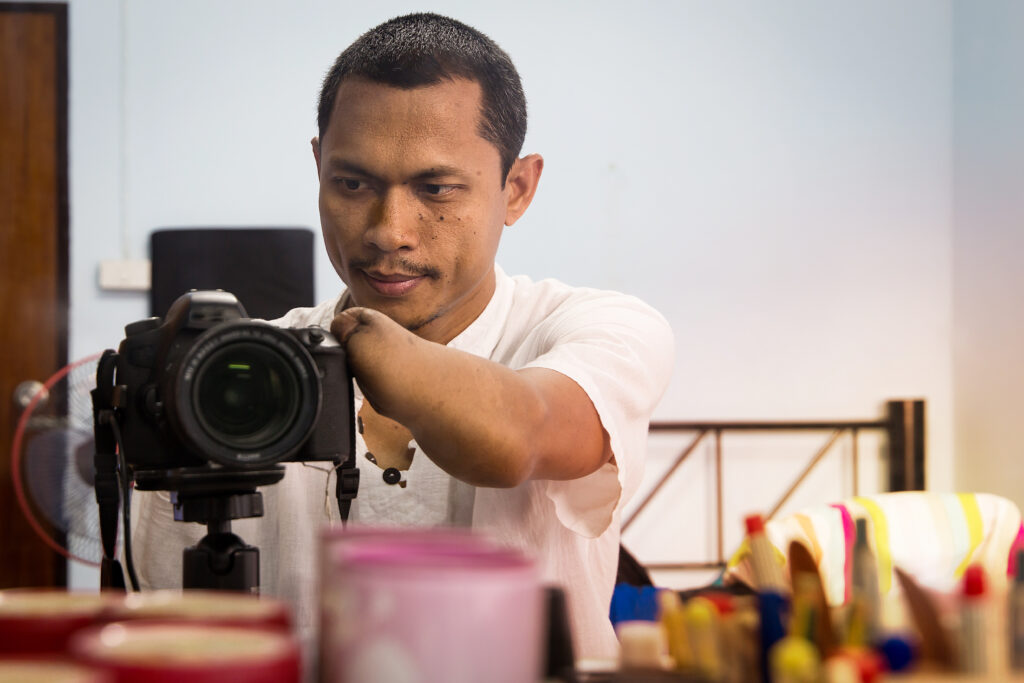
(481, 422)
(477, 420)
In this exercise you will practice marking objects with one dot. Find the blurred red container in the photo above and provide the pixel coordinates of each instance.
(36, 621)
(145, 652)
(35, 671)
(211, 608)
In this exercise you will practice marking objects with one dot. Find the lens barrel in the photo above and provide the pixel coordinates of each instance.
(246, 394)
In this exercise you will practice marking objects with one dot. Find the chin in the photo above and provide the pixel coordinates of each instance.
(410, 320)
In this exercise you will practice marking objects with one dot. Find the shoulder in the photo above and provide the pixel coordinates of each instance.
(551, 307)
(550, 323)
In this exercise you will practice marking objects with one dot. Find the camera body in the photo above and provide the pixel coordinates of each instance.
(207, 387)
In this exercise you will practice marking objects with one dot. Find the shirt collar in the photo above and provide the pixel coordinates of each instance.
(482, 335)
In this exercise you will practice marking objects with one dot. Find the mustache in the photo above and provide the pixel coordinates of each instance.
(392, 265)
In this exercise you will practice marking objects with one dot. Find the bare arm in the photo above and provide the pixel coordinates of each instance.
(479, 421)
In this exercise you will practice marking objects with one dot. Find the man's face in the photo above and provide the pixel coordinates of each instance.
(411, 202)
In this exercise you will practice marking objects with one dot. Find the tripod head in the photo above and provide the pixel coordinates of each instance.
(221, 560)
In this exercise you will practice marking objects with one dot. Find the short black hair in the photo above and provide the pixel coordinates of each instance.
(423, 49)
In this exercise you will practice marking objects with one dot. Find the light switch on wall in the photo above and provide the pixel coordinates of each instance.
(125, 275)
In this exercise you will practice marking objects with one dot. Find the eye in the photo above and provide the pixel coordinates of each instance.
(350, 184)
(437, 190)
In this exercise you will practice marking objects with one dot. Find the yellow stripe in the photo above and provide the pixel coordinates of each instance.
(975, 530)
(780, 557)
(812, 537)
(883, 553)
(741, 554)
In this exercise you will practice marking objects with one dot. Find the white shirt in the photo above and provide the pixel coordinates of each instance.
(618, 349)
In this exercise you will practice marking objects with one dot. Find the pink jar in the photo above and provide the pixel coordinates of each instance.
(427, 606)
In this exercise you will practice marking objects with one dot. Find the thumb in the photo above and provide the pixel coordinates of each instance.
(349, 322)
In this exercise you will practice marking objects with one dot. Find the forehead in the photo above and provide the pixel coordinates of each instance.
(441, 120)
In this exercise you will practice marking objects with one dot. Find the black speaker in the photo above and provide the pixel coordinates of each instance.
(270, 270)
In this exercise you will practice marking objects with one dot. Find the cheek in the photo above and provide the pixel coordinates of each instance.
(339, 225)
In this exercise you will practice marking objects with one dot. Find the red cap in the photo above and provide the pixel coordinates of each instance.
(871, 666)
(755, 524)
(723, 602)
(974, 581)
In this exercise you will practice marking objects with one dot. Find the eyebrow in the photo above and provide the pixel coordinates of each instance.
(432, 173)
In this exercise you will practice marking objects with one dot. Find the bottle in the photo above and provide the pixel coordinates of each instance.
(673, 619)
(767, 571)
(973, 622)
(1016, 614)
(703, 629)
(795, 658)
(864, 583)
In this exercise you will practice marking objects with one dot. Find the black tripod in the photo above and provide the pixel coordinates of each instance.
(221, 560)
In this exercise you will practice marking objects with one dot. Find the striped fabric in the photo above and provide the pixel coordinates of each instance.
(932, 536)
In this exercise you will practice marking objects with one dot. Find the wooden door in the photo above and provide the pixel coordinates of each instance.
(33, 248)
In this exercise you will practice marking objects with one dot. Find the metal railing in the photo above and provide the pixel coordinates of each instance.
(903, 425)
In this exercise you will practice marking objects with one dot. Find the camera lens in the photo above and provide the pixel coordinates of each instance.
(246, 396)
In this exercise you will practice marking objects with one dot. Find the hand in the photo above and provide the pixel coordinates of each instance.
(382, 355)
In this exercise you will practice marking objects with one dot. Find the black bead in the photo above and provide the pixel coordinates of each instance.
(392, 475)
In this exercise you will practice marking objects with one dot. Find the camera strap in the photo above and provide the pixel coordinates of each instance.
(347, 484)
(105, 463)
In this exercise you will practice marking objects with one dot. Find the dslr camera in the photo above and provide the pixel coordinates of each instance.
(208, 389)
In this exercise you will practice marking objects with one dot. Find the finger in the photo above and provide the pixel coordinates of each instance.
(346, 323)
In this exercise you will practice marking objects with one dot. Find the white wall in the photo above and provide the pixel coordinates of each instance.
(988, 304)
(774, 177)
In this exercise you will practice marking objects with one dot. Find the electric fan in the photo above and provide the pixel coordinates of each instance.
(52, 463)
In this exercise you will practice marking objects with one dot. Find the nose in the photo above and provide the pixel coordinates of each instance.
(394, 223)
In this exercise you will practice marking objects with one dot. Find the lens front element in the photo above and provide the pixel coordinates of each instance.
(247, 396)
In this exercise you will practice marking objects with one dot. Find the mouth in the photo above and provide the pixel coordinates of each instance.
(391, 284)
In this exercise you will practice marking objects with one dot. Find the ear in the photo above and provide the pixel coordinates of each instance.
(315, 142)
(521, 185)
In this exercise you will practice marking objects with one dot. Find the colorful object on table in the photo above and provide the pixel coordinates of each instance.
(634, 603)
(841, 668)
(864, 583)
(796, 658)
(767, 570)
(772, 610)
(932, 536)
(935, 646)
(1016, 614)
(801, 564)
(899, 653)
(642, 645)
(673, 621)
(974, 610)
(865, 664)
(703, 629)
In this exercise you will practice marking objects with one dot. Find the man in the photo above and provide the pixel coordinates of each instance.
(514, 407)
